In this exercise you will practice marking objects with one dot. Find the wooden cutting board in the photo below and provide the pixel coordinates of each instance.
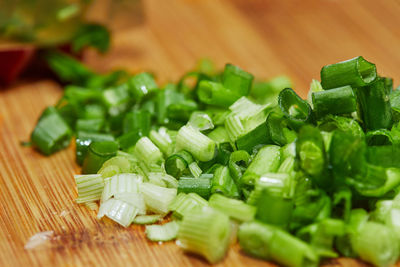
(268, 38)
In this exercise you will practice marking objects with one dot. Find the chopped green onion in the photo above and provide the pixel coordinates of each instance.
(129, 140)
(266, 160)
(162, 179)
(237, 80)
(177, 163)
(83, 140)
(89, 187)
(235, 209)
(165, 232)
(257, 136)
(310, 150)
(266, 242)
(98, 153)
(234, 127)
(193, 141)
(137, 120)
(355, 72)
(135, 199)
(392, 181)
(162, 140)
(216, 94)
(379, 137)
(142, 85)
(115, 165)
(116, 99)
(295, 109)
(219, 135)
(147, 219)
(376, 243)
(201, 121)
(273, 198)
(315, 86)
(200, 186)
(147, 151)
(51, 133)
(195, 169)
(267, 92)
(375, 106)
(238, 163)
(121, 183)
(89, 125)
(206, 232)
(340, 100)
(184, 203)
(321, 236)
(157, 198)
(118, 211)
(223, 183)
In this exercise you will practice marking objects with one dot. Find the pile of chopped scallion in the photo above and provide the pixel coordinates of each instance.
(297, 181)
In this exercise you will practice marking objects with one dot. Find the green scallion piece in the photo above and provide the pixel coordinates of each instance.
(97, 154)
(266, 160)
(184, 203)
(375, 106)
(83, 140)
(355, 72)
(238, 163)
(216, 94)
(267, 242)
(142, 85)
(257, 136)
(237, 80)
(295, 109)
(235, 209)
(223, 183)
(200, 186)
(89, 125)
(177, 163)
(51, 133)
(137, 120)
(340, 100)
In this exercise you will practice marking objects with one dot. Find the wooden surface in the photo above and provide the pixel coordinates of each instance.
(266, 37)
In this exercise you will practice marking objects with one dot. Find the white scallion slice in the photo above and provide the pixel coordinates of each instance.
(165, 232)
(157, 198)
(162, 179)
(147, 151)
(195, 169)
(206, 232)
(184, 203)
(121, 183)
(147, 219)
(89, 187)
(118, 211)
(135, 199)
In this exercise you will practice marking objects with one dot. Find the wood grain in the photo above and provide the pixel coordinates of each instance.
(267, 38)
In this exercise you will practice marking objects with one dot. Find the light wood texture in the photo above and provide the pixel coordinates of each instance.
(268, 38)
